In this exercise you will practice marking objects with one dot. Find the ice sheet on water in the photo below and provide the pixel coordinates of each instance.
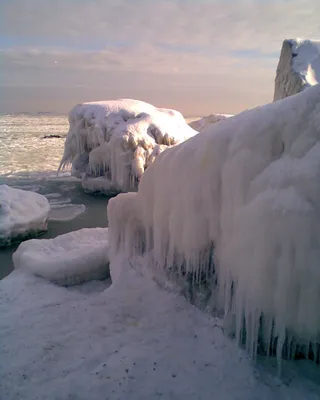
(66, 212)
(22, 213)
(68, 259)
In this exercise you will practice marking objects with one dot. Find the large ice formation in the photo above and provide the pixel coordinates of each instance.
(68, 259)
(298, 68)
(22, 214)
(111, 143)
(235, 213)
(202, 123)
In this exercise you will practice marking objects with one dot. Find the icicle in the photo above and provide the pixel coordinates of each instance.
(231, 187)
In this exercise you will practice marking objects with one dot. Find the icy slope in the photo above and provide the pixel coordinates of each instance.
(247, 192)
(298, 68)
(203, 122)
(133, 341)
(22, 214)
(68, 259)
(111, 143)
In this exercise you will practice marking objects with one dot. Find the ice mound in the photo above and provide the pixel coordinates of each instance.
(111, 143)
(203, 122)
(298, 68)
(22, 214)
(68, 259)
(234, 212)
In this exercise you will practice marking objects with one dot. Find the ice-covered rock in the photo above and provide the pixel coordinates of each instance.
(68, 259)
(200, 124)
(111, 143)
(234, 212)
(298, 68)
(23, 214)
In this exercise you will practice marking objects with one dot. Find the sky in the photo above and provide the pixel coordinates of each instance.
(197, 56)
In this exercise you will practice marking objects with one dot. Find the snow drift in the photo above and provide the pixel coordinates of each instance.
(200, 124)
(22, 214)
(68, 259)
(111, 143)
(298, 68)
(234, 214)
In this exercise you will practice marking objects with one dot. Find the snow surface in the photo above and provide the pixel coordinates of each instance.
(118, 140)
(234, 212)
(298, 68)
(203, 122)
(68, 259)
(22, 214)
(133, 341)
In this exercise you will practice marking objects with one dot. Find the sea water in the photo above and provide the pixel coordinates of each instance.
(30, 162)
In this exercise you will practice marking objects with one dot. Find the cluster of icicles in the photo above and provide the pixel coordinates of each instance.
(232, 215)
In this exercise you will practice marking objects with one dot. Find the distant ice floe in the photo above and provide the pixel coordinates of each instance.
(53, 195)
(298, 68)
(22, 214)
(59, 201)
(68, 259)
(31, 188)
(115, 141)
(66, 212)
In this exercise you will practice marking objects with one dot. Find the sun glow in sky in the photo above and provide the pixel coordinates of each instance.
(198, 56)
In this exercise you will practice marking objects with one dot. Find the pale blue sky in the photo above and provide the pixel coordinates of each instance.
(194, 55)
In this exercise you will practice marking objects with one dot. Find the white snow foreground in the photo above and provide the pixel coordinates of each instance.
(235, 212)
(68, 259)
(298, 68)
(132, 341)
(23, 214)
(111, 143)
(202, 123)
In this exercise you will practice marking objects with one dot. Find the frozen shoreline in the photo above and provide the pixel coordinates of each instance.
(132, 341)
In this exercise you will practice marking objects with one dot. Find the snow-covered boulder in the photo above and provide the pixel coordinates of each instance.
(298, 68)
(234, 212)
(111, 143)
(23, 214)
(200, 124)
(68, 259)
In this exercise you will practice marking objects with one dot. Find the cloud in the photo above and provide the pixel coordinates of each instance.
(217, 24)
(140, 58)
(228, 47)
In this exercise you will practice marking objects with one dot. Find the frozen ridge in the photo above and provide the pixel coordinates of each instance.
(111, 143)
(23, 214)
(234, 214)
(298, 68)
(203, 122)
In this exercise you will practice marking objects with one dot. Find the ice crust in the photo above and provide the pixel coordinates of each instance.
(298, 68)
(235, 211)
(111, 143)
(22, 214)
(68, 259)
(132, 341)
